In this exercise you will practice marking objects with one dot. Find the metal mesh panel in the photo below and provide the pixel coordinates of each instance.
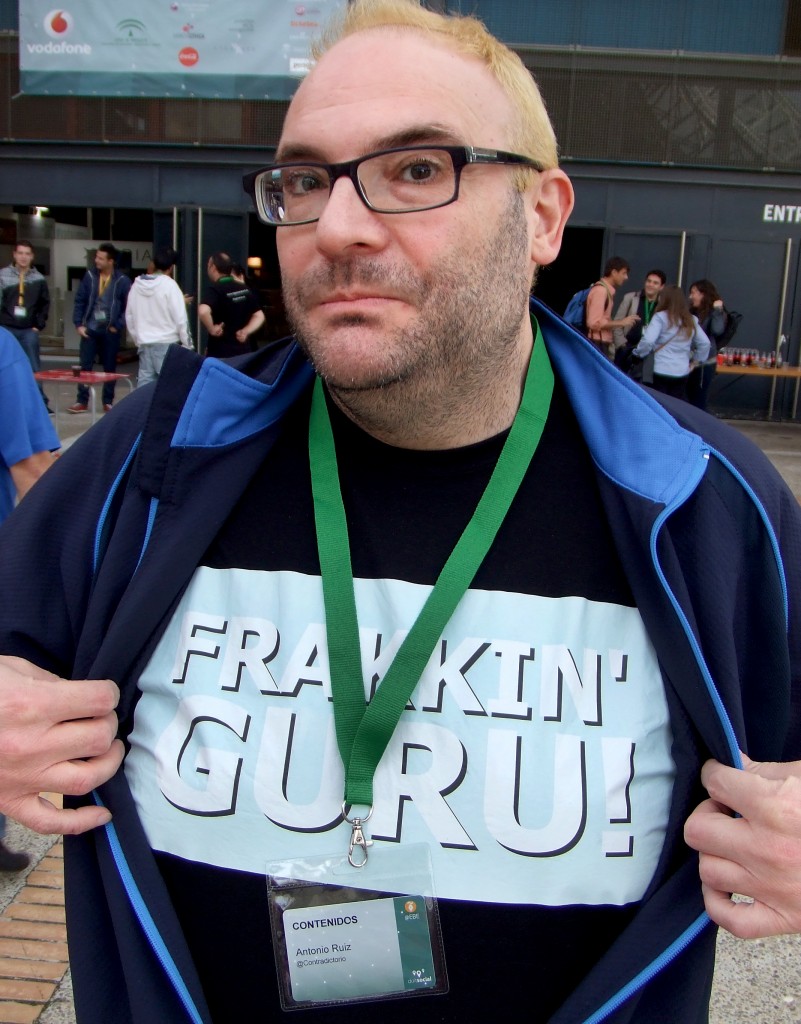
(672, 109)
(607, 106)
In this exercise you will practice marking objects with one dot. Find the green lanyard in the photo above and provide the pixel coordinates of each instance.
(648, 309)
(363, 730)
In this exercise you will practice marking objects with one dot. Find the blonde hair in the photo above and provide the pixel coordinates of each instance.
(532, 134)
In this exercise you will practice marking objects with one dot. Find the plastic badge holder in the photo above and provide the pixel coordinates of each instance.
(351, 935)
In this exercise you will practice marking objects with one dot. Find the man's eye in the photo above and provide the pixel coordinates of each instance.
(419, 171)
(301, 183)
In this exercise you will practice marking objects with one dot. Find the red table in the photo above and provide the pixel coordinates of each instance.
(88, 377)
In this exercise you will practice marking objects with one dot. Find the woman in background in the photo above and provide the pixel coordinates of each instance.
(707, 305)
(677, 341)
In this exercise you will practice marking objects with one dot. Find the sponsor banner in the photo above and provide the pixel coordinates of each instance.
(236, 50)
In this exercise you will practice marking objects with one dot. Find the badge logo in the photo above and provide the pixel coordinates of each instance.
(58, 23)
(410, 907)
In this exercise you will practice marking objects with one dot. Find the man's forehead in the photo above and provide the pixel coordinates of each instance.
(382, 82)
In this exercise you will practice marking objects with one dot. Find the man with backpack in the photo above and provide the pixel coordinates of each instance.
(600, 325)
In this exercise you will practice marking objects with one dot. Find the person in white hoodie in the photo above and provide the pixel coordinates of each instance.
(156, 315)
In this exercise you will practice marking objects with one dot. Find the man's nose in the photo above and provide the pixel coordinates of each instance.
(346, 220)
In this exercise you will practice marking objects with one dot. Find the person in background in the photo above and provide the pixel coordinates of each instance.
(99, 317)
(24, 304)
(156, 315)
(643, 304)
(27, 444)
(707, 305)
(228, 309)
(677, 341)
(600, 325)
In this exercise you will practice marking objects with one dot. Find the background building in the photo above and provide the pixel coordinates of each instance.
(679, 122)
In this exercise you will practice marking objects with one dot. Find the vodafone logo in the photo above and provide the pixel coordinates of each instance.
(58, 23)
(188, 56)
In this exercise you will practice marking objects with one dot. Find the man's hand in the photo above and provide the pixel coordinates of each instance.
(216, 330)
(756, 855)
(84, 333)
(56, 736)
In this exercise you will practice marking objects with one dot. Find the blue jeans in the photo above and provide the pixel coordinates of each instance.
(698, 384)
(105, 345)
(151, 357)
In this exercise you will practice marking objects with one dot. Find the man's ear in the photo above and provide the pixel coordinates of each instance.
(550, 204)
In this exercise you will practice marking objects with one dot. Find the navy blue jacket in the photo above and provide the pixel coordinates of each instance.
(708, 534)
(86, 296)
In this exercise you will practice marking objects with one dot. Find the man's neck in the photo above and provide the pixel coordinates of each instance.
(433, 415)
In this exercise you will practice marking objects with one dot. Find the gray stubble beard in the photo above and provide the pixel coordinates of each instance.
(451, 359)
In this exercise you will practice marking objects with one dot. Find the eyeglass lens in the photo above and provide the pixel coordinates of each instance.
(405, 180)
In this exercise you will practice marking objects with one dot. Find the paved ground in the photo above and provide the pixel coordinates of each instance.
(755, 983)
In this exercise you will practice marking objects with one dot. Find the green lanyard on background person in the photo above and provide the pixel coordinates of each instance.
(363, 730)
(648, 307)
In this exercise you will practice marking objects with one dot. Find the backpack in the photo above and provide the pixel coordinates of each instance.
(576, 311)
(732, 323)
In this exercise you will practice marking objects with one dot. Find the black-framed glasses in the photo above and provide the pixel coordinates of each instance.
(404, 180)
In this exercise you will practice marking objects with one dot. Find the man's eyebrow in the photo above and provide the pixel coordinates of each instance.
(415, 135)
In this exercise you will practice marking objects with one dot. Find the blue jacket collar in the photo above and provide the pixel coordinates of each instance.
(631, 437)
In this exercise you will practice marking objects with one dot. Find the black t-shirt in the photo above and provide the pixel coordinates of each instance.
(405, 511)
(232, 304)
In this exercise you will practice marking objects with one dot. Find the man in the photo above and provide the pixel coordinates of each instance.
(25, 304)
(643, 305)
(27, 441)
(156, 315)
(99, 316)
(228, 310)
(600, 325)
(529, 727)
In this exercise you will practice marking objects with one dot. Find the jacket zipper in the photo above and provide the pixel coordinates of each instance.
(697, 927)
(147, 923)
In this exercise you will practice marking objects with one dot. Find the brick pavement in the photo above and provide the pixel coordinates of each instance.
(33, 941)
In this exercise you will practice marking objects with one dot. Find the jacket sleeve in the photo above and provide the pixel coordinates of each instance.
(700, 346)
(79, 310)
(42, 307)
(627, 307)
(130, 318)
(47, 544)
(650, 336)
(124, 285)
(717, 323)
(178, 310)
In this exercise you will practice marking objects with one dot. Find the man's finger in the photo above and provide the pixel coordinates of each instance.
(42, 816)
(749, 793)
(746, 920)
(25, 668)
(74, 778)
(84, 738)
(77, 777)
(42, 702)
(707, 828)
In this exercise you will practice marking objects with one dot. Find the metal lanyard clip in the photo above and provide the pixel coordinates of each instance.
(357, 839)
